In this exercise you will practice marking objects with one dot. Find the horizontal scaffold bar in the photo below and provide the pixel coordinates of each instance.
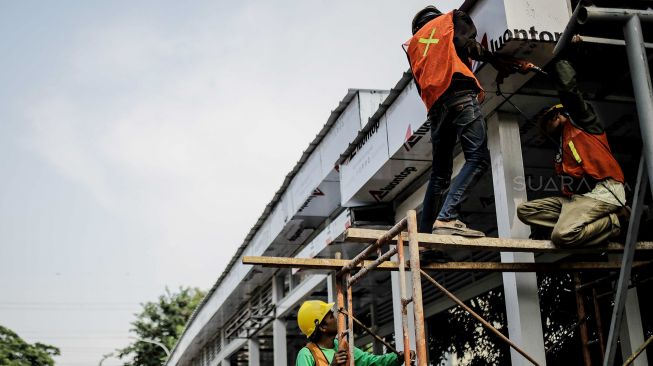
(487, 243)
(327, 264)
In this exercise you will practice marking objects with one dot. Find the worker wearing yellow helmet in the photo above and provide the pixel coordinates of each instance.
(317, 321)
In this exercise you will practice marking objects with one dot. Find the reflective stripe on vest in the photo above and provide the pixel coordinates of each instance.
(433, 58)
(572, 147)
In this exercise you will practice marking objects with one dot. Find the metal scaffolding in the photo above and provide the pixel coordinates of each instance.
(348, 272)
(631, 20)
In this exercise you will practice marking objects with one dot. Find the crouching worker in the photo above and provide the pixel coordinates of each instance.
(317, 321)
(593, 198)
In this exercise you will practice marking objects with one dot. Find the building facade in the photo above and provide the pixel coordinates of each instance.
(368, 165)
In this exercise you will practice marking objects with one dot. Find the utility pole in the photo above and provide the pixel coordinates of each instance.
(152, 341)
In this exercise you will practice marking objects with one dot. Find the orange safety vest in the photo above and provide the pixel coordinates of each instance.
(433, 58)
(318, 355)
(584, 153)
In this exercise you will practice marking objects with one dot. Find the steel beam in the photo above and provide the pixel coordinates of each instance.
(568, 33)
(588, 14)
(631, 333)
(584, 14)
(600, 40)
(279, 332)
(253, 352)
(520, 289)
(335, 264)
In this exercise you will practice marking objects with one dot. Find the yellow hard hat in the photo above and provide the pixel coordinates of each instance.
(543, 117)
(554, 108)
(310, 315)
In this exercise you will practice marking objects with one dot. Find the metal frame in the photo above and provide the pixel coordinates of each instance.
(410, 224)
(641, 79)
(626, 266)
(346, 278)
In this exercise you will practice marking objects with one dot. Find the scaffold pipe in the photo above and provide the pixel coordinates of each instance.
(385, 238)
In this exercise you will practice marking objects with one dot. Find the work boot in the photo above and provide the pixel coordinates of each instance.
(455, 227)
(427, 256)
(623, 215)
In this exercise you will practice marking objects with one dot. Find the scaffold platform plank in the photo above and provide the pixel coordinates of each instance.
(487, 243)
(328, 264)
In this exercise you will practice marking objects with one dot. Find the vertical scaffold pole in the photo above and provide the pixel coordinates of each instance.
(404, 300)
(643, 91)
(582, 321)
(350, 319)
(599, 323)
(626, 265)
(418, 306)
(340, 304)
(642, 88)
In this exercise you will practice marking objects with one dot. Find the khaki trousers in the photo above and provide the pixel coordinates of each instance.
(576, 221)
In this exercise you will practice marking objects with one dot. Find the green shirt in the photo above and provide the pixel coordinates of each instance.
(361, 358)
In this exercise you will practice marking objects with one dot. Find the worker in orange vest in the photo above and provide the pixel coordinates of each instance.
(439, 54)
(317, 321)
(593, 206)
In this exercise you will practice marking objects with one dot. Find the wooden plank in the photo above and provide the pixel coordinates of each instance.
(313, 263)
(327, 264)
(487, 243)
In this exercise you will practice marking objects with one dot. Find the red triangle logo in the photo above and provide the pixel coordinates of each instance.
(409, 133)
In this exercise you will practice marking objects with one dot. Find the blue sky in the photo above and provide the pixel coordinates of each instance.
(139, 142)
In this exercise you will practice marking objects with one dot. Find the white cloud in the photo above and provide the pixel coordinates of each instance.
(184, 126)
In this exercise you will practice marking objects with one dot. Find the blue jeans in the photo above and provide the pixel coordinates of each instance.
(456, 117)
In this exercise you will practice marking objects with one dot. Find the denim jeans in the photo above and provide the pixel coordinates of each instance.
(456, 117)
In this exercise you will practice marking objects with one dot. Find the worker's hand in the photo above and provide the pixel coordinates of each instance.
(507, 65)
(503, 64)
(400, 356)
(340, 358)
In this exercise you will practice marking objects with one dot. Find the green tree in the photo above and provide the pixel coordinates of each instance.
(162, 321)
(14, 351)
(456, 332)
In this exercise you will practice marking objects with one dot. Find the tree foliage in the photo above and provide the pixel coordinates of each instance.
(454, 333)
(162, 321)
(457, 333)
(14, 351)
